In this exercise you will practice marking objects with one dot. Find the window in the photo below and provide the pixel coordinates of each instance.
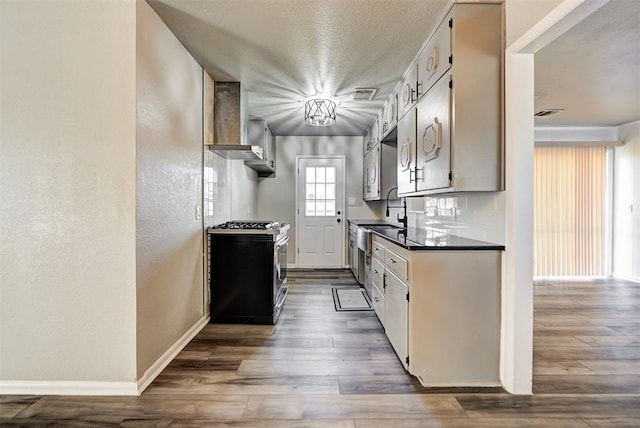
(320, 195)
(569, 211)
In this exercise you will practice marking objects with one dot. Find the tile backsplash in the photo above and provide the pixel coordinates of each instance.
(216, 189)
(471, 215)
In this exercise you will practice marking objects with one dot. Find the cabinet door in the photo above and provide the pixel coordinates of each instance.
(407, 95)
(434, 60)
(374, 172)
(375, 133)
(396, 311)
(391, 113)
(406, 153)
(433, 139)
(378, 303)
(365, 175)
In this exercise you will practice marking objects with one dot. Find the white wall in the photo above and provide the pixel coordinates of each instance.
(626, 204)
(276, 196)
(67, 186)
(244, 191)
(168, 188)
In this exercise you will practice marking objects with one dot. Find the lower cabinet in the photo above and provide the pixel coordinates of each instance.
(396, 315)
(441, 312)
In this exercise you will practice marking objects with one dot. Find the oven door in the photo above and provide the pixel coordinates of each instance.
(280, 286)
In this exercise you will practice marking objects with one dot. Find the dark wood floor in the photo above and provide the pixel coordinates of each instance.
(322, 368)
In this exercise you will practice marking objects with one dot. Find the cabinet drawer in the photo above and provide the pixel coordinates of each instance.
(377, 272)
(433, 61)
(377, 301)
(397, 264)
(377, 250)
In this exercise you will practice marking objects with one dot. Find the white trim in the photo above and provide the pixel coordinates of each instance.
(344, 200)
(627, 278)
(554, 24)
(156, 368)
(516, 356)
(608, 210)
(63, 387)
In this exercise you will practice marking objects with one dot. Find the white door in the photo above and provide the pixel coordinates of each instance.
(320, 207)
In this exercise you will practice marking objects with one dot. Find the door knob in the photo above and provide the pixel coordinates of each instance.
(339, 213)
(339, 220)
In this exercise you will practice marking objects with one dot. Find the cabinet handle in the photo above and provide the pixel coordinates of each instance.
(375, 271)
(392, 261)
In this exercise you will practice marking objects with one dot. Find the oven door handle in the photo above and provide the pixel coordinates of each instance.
(276, 255)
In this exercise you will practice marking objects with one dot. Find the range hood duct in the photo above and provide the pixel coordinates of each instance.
(231, 123)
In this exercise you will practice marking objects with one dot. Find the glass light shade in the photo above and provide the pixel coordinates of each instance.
(320, 111)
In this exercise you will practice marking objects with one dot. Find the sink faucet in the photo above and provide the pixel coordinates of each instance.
(402, 220)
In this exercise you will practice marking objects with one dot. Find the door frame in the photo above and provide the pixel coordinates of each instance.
(297, 207)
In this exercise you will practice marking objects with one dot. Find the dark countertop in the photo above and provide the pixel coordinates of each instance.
(416, 239)
(367, 222)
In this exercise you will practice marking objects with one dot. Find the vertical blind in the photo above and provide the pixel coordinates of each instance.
(569, 204)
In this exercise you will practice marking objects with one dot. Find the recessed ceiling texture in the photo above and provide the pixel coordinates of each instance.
(592, 71)
(284, 51)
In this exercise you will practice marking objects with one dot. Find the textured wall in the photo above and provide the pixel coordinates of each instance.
(67, 186)
(276, 196)
(626, 203)
(168, 188)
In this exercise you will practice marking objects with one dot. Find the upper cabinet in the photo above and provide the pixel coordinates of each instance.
(379, 171)
(435, 59)
(452, 141)
(260, 134)
(408, 93)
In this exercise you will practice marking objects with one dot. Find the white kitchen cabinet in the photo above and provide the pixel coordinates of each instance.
(457, 145)
(369, 140)
(442, 311)
(406, 163)
(396, 315)
(408, 93)
(378, 289)
(372, 174)
(433, 139)
(435, 58)
(379, 171)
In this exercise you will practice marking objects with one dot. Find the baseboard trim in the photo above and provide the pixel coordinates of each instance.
(62, 387)
(156, 368)
(57, 387)
(627, 278)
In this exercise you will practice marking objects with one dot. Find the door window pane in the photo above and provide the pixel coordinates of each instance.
(330, 208)
(310, 208)
(311, 191)
(331, 174)
(331, 191)
(311, 175)
(320, 191)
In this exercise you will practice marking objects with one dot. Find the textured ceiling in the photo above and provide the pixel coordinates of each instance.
(593, 70)
(284, 51)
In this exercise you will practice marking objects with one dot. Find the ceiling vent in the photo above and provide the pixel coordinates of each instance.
(547, 112)
(364, 94)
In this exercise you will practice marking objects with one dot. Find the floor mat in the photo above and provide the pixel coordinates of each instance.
(350, 299)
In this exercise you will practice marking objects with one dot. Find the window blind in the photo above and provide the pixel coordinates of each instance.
(569, 204)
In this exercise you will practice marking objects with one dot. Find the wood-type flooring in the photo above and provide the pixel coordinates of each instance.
(322, 368)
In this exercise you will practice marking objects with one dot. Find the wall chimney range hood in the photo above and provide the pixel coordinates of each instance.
(231, 123)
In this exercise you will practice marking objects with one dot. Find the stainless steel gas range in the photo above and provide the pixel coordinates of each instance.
(248, 271)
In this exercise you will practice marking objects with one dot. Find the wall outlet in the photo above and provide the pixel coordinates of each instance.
(198, 212)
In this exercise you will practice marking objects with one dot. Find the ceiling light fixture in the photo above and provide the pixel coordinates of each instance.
(319, 111)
